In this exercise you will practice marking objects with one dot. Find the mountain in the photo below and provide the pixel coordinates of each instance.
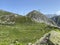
(2, 12)
(12, 18)
(16, 29)
(7, 17)
(50, 15)
(56, 19)
(39, 17)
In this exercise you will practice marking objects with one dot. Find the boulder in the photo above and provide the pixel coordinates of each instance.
(51, 38)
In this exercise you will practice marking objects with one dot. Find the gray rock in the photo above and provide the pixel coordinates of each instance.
(51, 38)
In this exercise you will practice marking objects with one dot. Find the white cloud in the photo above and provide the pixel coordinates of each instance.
(58, 12)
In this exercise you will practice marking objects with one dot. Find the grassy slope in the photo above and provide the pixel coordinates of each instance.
(4, 12)
(24, 33)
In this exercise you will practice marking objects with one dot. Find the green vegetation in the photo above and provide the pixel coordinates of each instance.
(23, 33)
(4, 12)
(23, 20)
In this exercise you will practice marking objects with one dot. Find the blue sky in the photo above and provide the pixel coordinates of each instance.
(25, 6)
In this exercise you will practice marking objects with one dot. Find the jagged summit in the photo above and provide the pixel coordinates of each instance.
(36, 11)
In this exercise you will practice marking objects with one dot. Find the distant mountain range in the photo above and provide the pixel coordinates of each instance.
(50, 15)
(56, 19)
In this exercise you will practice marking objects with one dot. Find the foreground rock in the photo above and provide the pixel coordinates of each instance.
(51, 38)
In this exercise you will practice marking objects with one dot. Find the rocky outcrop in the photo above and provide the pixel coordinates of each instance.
(7, 19)
(51, 38)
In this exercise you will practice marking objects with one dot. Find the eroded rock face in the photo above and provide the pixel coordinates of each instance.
(51, 38)
(7, 19)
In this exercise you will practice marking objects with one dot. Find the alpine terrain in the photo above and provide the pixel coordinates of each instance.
(33, 29)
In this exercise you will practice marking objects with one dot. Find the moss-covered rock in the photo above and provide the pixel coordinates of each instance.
(51, 38)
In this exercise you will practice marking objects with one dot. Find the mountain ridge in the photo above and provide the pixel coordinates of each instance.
(36, 16)
(39, 17)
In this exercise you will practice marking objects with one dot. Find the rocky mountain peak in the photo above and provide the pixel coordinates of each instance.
(39, 17)
(35, 11)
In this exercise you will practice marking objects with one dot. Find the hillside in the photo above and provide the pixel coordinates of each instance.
(56, 19)
(23, 31)
(2, 12)
(8, 18)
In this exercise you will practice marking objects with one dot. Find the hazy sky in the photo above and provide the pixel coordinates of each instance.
(25, 6)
